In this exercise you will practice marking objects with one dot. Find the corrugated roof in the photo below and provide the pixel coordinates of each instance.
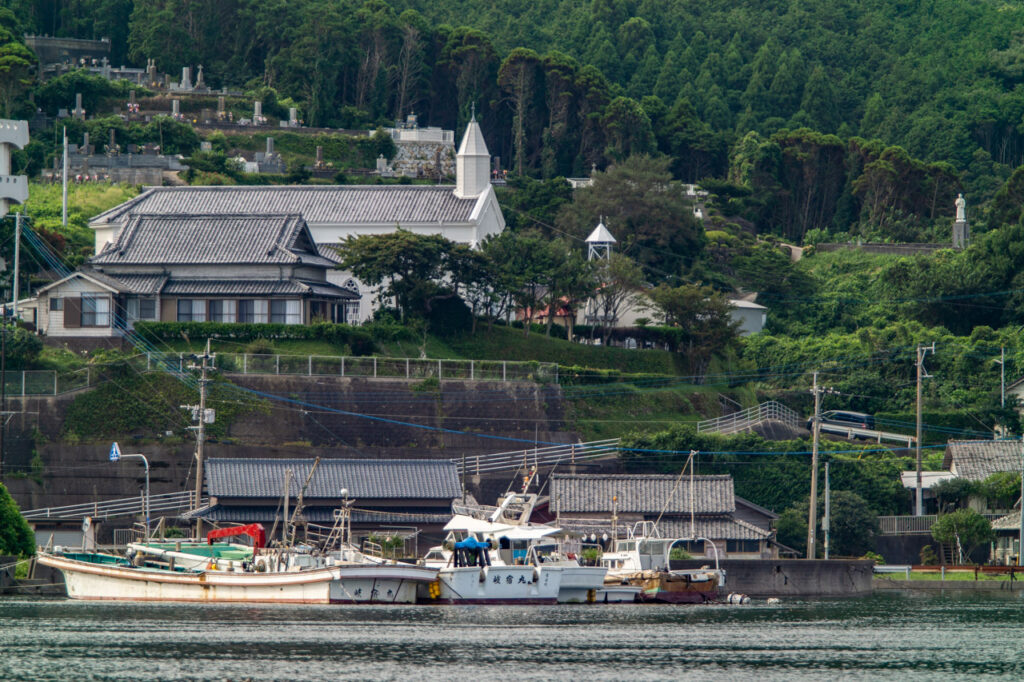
(212, 239)
(641, 493)
(386, 204)
(976, 460)
(363, 478)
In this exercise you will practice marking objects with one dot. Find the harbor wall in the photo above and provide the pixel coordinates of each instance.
(792, 577)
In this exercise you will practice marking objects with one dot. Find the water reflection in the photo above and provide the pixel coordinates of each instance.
(888, 635)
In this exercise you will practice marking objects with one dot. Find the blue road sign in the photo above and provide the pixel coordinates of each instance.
(115, 452)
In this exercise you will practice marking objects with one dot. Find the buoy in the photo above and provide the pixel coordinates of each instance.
(736, 598)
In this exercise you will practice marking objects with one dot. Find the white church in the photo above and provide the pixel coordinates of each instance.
(240, 253)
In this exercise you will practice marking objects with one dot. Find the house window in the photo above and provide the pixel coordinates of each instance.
(252, 312)
(56, 304)
(141, 308)
(352, 312)
(694, 547)
(286, 312)
(191, 310)
(95, 310)
(223, 311)
(748, 546)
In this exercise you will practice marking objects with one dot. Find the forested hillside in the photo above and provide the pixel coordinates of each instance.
(843, 115)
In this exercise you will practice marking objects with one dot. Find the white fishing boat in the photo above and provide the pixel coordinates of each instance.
(230, 572)
(511, 542)
(471, 579)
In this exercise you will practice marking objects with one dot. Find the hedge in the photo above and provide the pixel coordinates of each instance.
(359, 339)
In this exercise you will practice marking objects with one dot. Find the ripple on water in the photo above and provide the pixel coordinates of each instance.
(891, 636)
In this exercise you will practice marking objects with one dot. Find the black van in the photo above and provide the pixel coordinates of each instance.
(857, 420)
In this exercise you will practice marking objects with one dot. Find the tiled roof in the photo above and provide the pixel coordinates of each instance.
(363, 478)
(321, 515)
(387, 204)
(976, 460)
(1009, 522)
(241, 287)
(145, 285)
(212, 239)
(641, 493)
(712, 528)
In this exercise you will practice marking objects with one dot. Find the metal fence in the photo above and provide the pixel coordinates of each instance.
(914, 525)
(383, 368)
(745, 419)
(44, 382)
(128, 506)
(545, 457)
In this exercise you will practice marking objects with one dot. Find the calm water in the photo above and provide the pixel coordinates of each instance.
(885, 636)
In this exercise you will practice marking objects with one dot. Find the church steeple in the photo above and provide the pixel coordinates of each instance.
(472, 163)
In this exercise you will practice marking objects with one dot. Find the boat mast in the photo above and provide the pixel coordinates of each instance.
(200, 411)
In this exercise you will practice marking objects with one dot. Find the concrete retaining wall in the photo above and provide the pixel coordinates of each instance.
(793, 577)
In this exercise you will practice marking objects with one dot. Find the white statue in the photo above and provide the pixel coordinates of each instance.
(961, 209)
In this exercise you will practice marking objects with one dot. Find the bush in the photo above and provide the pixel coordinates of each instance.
(15, 535)
(358, 339)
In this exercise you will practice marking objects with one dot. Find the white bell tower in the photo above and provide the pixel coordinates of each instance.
(599, 243)
(472, 163)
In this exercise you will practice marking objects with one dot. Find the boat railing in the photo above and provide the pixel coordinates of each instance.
(373, 549)
(482, 512)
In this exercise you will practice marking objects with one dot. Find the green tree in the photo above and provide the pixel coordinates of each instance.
(16, 62)
(628, 129)
(411, 266)
(15, 535)
(518, 77)
(852, 525)
(965, 530)
(704, 318)
(646, 211)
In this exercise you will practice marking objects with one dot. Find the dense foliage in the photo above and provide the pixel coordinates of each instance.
(16, 537)
(773, 474)
(842, 116)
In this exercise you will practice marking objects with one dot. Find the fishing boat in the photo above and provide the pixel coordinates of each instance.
(472, 579)
(231, 572)
(507, 539)
(641, 560)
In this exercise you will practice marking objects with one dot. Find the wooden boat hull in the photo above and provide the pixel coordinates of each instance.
(672, 588)
(332, 584)
(494, 585)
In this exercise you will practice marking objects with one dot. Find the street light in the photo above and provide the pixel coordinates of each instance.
(115, 455)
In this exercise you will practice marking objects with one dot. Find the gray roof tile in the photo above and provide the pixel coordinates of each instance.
(640, 493)
(976, 460)
(212, 239)
(364, 478)
(242, 287)
(384, 204)
(321, 515)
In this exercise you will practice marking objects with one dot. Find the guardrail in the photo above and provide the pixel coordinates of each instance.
(852, 432)
(750, 417)
(545, 457)
(128, 506)
(369, 367)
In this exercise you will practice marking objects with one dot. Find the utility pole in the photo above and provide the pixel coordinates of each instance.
(922, 351)
(1020, 529)
(64, 190)
(825, 526)
(17, 266)
(815, 432)
(200, 412)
